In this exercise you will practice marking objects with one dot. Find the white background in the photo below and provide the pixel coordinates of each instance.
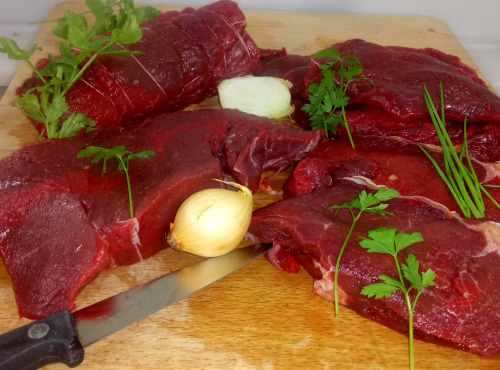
(476, 23)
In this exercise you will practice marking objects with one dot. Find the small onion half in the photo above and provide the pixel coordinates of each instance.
(212, 222)
(262, 96)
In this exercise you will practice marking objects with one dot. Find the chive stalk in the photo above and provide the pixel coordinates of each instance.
(459, 174)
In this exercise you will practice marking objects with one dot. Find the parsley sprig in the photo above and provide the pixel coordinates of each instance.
(386, 241)
(458, 175)
(47, 103)
(328, 96)
(122, 156)
(106, 19)
(366, 202)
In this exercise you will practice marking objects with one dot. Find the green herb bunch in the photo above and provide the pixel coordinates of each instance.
(328, 96)
(47, 103)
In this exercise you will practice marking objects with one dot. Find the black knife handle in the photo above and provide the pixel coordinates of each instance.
(46, 341)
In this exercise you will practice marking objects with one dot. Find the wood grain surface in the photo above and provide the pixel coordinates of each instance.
(259, 317)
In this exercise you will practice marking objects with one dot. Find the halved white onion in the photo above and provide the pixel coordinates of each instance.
(262, 96)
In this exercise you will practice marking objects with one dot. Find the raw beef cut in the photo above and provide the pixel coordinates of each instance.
(483, 139)
(184, 56)
(462, 310)
(396, 106)
(57, 210)
(49, 246)
(394, 162)
(400, 74)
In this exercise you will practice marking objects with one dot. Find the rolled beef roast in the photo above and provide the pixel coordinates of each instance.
(184, 56)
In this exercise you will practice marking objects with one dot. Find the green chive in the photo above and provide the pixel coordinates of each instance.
(461, 180)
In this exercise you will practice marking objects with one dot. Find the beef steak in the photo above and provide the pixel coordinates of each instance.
(462, 310)
(64, 208)
(394, 162)
(400, 74)
(396, 106)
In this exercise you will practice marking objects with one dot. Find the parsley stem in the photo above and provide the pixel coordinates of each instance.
(50, 125)
(344, 89)
(386, 241)
(410, 330)
(122, 156)
(37, 72)
(371, 203)
(129, 195)
(410, 312)
(330, 94)
(337, 265)
(124, 165)
(82, 70)
(347, 127)
(400, 274)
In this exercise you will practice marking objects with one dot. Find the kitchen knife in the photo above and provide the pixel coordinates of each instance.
(61, 337)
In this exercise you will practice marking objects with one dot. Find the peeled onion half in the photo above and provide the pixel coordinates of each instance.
(262, 96)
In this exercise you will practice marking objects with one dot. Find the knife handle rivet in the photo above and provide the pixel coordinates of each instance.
(38, 330)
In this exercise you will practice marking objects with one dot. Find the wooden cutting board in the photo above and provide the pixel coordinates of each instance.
(259, 317)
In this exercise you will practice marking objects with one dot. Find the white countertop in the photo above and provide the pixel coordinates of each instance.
(475, 22)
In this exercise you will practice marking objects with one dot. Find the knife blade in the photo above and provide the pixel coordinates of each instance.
(61, 338)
